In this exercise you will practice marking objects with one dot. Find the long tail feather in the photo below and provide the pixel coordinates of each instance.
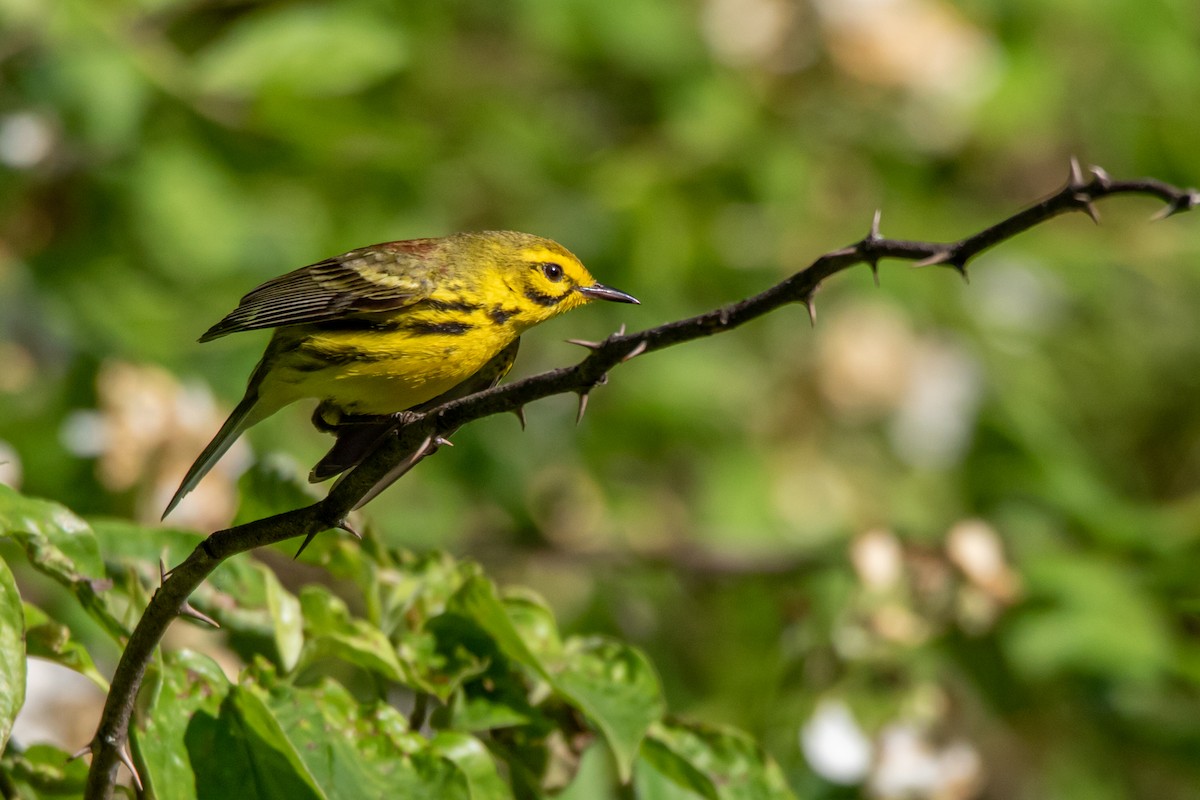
(238, 422)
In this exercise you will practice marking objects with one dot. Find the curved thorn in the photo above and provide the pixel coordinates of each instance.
(1102, 178)
(961, 269)
(303, 545)
(442, 441)
(1185, 202)
(345, 525)
(188, 610)
(812, 310)
(585, 343)
(635, 352)
(621, 330)
(873, 234)
(1075, 180)
(80, 753)
(1087, 206)
(583, 403)
(123, 755)
(940, 257)
(520, 412)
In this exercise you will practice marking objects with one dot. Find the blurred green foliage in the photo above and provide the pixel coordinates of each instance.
(160, 158)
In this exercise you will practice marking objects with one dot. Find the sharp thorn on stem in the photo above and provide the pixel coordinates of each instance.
(940, 257)
(307, 541)
(1102, 178)
(80, 753)
(961, 269)
(520, 412)
(585, 343)
(188, 610)
(1185, 202)
(1087, 206)
(1075, 180)
(621, 330)
(345, 525)
(873, 234)
(635, 352)
(812, 310)
(123, 755)
(583, 403)
(874, 266)
(442, 441)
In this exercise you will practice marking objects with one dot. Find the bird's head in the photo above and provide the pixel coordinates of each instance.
(538, 278)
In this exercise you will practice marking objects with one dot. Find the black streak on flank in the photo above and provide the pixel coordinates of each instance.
(543, 299)
(445, 328)
(500, 315)
(445, 305)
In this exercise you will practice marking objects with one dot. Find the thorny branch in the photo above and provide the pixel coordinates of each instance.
(419, 435)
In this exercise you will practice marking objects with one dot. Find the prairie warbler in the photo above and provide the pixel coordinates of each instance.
(385, 328)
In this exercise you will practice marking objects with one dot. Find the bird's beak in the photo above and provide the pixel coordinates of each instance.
(598, 291)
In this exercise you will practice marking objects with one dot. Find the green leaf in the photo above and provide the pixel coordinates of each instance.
(616, 688)
(62, 545)
(475, 762)
(332, 633)
(243, 752)
(731, 761)
(46, 770)
(477, 600)
(662, 773)
(303, 49)
(45, 638)
(475, 712)
(59, 543)
(187, 696)
(125, 540)
(534, 622)
(12, 653)
(288, 621)
(274, 756)
(362, 750)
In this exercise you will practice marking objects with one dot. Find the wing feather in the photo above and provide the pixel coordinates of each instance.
(383, 277)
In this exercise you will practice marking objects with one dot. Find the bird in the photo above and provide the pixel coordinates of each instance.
(386, 328)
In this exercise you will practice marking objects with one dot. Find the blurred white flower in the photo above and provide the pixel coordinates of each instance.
(933, 426)
(910, 767)
(928, 48)
(26, 138)
(878, 559)
(835, 746)
(975, 547)
(864, 358)
(745, 33)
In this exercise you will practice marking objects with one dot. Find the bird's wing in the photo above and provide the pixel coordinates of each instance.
(374, 279)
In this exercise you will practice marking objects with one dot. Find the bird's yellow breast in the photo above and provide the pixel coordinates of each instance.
(387, 367)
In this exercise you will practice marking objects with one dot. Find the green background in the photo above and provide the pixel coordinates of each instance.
(159, 159)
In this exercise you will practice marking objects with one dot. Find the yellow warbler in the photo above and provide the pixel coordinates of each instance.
(385, 328)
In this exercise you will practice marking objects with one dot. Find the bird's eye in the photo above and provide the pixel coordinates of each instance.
(552, 271)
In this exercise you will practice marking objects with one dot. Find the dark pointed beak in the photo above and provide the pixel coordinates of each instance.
(598, 291)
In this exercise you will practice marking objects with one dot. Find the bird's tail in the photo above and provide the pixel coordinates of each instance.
(242, 418)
